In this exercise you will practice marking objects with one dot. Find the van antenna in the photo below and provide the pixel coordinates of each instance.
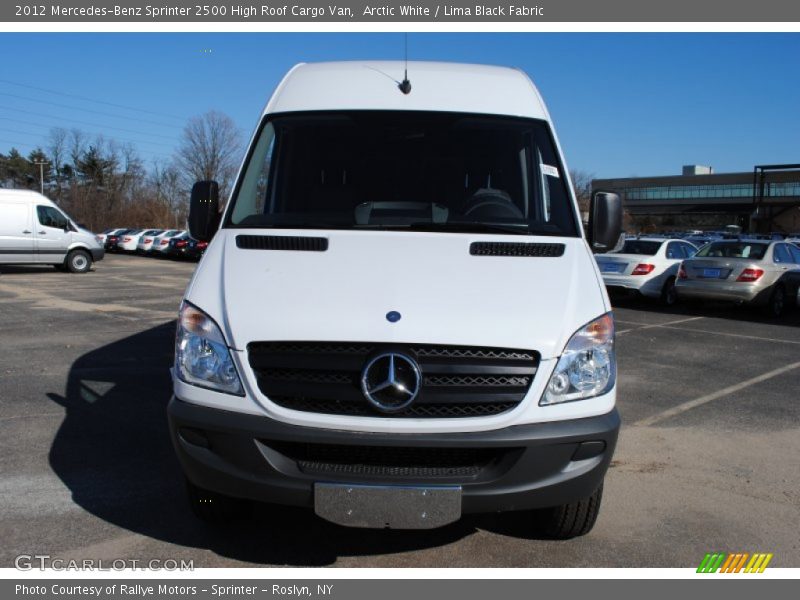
(405, 85)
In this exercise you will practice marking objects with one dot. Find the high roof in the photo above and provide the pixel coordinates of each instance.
(435, 86)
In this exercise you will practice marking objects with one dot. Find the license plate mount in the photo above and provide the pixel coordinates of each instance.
(392, 507)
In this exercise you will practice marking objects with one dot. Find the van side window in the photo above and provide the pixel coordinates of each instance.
(50, 217)
(253, 191)
(795, 252)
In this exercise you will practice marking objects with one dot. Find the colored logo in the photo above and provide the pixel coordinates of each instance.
(742, 562)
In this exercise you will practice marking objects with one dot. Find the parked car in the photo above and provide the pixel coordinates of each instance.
(161, 241)
(101, 237)
(145, 241)
(410, 327)
(196, 249)
(185, 247)
(177, 245)
(111, 240)
(33, 230)
(646, 266)
(127, 241)
(759, 273)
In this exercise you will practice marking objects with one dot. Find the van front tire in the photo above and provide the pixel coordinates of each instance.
(570, 520)
(78, 261)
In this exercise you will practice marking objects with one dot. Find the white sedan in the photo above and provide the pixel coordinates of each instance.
(647, 266)
(129, 242)
(145, 243)
(161, 242)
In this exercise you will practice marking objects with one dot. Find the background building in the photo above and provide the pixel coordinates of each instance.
(763, 200)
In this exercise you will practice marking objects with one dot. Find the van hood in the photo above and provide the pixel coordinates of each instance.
(444, 294)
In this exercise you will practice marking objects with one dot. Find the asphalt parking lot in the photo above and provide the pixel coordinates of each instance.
(707, 457)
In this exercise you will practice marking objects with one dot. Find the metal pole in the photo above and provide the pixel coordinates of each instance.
(41, 164)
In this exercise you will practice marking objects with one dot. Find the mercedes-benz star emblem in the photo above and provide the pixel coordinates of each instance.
(391, 381)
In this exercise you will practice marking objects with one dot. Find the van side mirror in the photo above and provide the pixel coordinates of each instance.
(204, 214)
(605, 221)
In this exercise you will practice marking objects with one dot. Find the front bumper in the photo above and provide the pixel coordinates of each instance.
(97, 253)
(534, 466)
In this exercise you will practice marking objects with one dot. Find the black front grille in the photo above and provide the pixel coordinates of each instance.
(387, 461)
(457, 381)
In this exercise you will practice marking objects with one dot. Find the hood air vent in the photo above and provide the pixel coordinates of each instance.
(282, 242)
(516, 249)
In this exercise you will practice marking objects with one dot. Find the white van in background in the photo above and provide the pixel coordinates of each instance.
(33, 230)
(399, 319)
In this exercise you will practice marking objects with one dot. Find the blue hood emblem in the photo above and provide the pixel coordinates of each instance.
(393, 316)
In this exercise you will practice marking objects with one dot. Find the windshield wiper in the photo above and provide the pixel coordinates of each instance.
(448, 226)
(471, 227)
(309, 225)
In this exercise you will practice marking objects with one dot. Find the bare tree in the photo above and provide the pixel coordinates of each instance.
(210, 149)
(57, 146)
(170, 191)
(582, 182)
(77, 145)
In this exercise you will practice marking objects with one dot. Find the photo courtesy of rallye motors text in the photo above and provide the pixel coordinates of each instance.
(144, 591)
(98, 591)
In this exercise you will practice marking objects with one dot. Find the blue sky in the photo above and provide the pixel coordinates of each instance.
(623, 104)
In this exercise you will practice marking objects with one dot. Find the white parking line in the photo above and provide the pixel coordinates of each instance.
(682, 408)
(738, 335)
(667, 324)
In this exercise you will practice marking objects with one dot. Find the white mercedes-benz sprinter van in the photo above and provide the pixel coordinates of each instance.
(399, 319)
(33, 230)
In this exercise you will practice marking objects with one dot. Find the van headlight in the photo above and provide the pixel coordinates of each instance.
(588, 365)
(202, 357)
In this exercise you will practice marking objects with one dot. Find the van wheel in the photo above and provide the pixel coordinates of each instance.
(570, 520)
(78, 261)
(669, 295)
(213, 507)
(777, 302)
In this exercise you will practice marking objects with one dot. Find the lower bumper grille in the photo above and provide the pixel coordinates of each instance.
(362, 409)
(456, 381)
(388, 461)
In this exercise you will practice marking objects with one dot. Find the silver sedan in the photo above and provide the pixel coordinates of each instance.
(756, 272)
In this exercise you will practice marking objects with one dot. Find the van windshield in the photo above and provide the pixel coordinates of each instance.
(415, 171)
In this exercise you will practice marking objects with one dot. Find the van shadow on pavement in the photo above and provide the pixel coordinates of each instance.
(114, 453)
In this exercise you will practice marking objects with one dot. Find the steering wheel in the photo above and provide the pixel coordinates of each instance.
(487, 203)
